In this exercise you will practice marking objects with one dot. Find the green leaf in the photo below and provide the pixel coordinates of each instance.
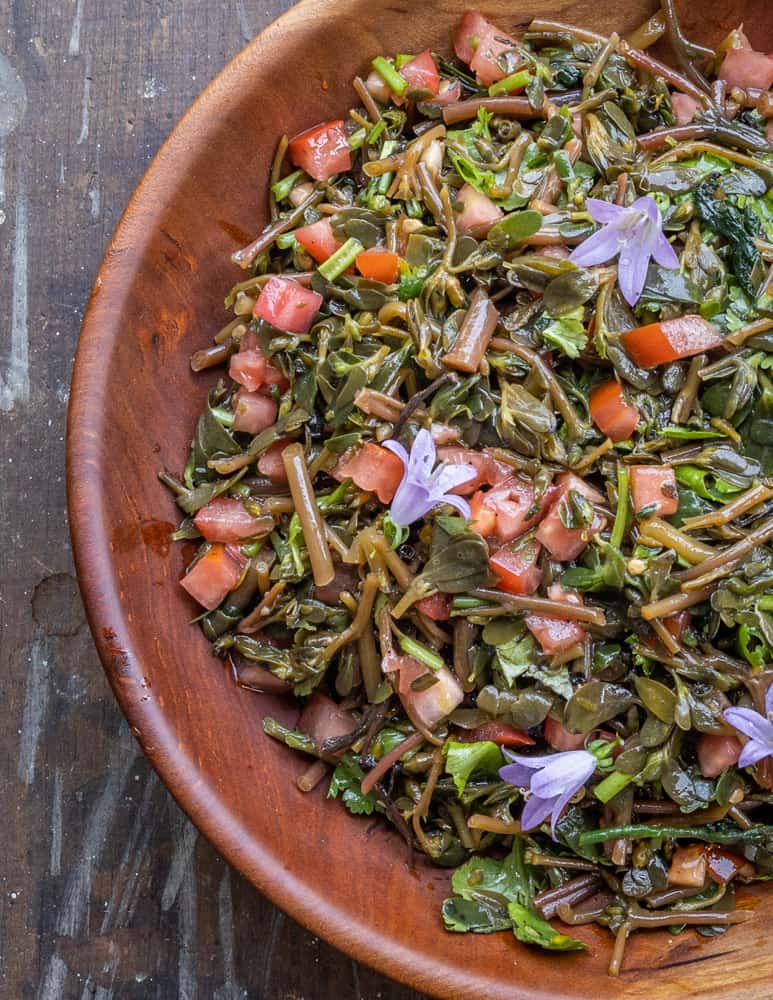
(346, 782)
(530, 928)
(464, 759)
(477, 915)
(567, 334)
(513, 228)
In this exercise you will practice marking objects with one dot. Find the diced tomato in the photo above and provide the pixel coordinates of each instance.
(659, 343)
(422, 75)
(248, 365)
(554, 634)
(213, 576)
(434, 703)
(496, 732)
(654, 486)
(515, 566)
(611, 413)
(558, 737)
(449, 93)
(724, 865)
(490, 470)
(716, 753)
(567, 543)
(468, 34)
(270, 463)
(479, 213)
(318, 240)
(677, 623)
(253, 412)
(274, 376)
(745, 68)
(225, 519)
(322, 150)
(378, 264)
(483, 516)
(507, 510)
(437, 607)
(684, 108)
(372, 468)
(287, 305)
(492, 44)
(688, 867)
(322, 719)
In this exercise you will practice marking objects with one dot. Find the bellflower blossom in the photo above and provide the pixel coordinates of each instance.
(633, 234)
(552, 781)
(758, 727)
(421, 488)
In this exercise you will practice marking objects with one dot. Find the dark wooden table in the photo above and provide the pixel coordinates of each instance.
(106, 889)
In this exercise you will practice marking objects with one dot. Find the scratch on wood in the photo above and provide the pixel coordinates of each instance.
(277, 919)
(75, 34)
(185, 835)
(186, 923)
(86, 106)
(15, 386)
(94, 195)
(77, 893)
(35, 704)
(55, 856)
(53, 983)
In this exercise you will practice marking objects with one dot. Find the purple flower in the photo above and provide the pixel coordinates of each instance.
(634, 235)
(552, 781)
(759, 729)
(421, 489)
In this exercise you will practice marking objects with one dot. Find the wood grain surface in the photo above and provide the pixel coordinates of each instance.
(106, 889)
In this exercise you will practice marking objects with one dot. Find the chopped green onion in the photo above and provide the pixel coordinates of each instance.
(402, 58)
(285, 241)
(341, 259)
(223, 416)
(414, 208)
(396, 83)
(375, 132)
(563, 165)
(467, 603)
(621, 514)
(421, 652)
(612, 785)
(282, 188)
(516, 81)
(357, 138)
(252, 548)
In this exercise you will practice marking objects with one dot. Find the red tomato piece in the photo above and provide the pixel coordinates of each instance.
(483, 516)
(378, 264)
(684, 108)
(213, 576)
(479, 213)
(497, 732)
(610, 412)
(372, 468)
(559, 737)
(225, 519)
(567, 543)
(437, 607)
(493, 43)
(322, 150)
(318, 240)
(270, 463)
(515, 566)
(717, 752)
(467, 35)
(490, 470)
(507, 510)
(554, 634)
(274, 376)
(659, 343)
(287, 305)
(433, 704)
(654, 485)
(744, 68)
(248, 365)
(422, 76)
(253, 412)
(449, 93)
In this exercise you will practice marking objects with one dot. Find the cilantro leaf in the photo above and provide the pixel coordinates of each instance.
(346, 781)
(567, 334)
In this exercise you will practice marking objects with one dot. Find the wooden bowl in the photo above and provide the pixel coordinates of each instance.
(158, 296)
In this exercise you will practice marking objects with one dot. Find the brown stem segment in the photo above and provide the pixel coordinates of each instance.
(475, 333)
(306, 508)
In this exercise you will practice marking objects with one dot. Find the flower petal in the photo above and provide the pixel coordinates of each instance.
(458, 502)
(632, 271)
(750, 723)
(395, 446)
(604, 211)
(447, 477)
(752, 752)
(422, 457)
(410, 502)
(535, 812)
(516, 774)
(564, 772)
(534, 763)
(558, 808)
(769, 699)
(663, 253)
(598, 248)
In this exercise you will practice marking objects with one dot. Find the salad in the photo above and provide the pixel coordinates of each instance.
(486, 483)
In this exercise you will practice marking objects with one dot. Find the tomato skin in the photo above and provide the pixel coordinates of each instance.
(422, 75)
(287, 305)
(554, 634)
(270, 463)
(503, 510)
(225, 519)
(565, 543)
(559, 737)
(322, 150)
(372, 468)
(492, 43)
(213, 576)
(658, 343)
(479, 213)
(717, 752)
(654, 484)
(437, 607)
(684, 108)
(516, 568)
(744, 68)
(378, 264)
(253, 412)
(483, 516)
(611, 413)
(501, 733)
(468, 34)
(318, 240)
(274, 376)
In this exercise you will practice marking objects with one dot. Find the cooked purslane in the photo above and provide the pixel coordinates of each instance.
(486, 487)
